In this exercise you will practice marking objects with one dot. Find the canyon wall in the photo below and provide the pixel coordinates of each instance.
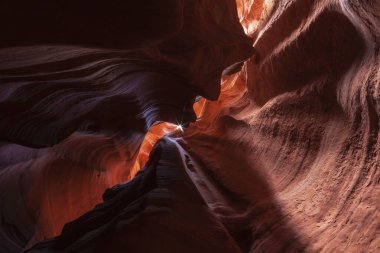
(287, 159)
(295, 135)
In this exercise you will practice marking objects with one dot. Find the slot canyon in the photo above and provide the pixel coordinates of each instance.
(190, 126)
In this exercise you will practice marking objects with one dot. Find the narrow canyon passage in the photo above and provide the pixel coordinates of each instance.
(243, 126)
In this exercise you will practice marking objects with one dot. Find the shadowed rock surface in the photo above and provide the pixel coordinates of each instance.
(286, 159)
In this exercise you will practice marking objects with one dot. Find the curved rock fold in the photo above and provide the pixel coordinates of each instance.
(281, 153)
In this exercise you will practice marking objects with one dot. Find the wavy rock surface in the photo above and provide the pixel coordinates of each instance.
(295, 135)
(79, 92)
(286, 160)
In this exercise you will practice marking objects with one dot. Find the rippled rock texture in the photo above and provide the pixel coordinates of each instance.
(286, 160)
(296, 134)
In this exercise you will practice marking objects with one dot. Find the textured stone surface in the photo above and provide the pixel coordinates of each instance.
(296, 134)
(286, 160)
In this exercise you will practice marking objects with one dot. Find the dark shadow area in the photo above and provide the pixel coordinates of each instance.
(117, 24)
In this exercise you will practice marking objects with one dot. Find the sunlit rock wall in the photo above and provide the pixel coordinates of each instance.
(295, 135)
(286, 160)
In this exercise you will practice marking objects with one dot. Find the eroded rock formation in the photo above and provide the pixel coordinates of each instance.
(285, 160)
